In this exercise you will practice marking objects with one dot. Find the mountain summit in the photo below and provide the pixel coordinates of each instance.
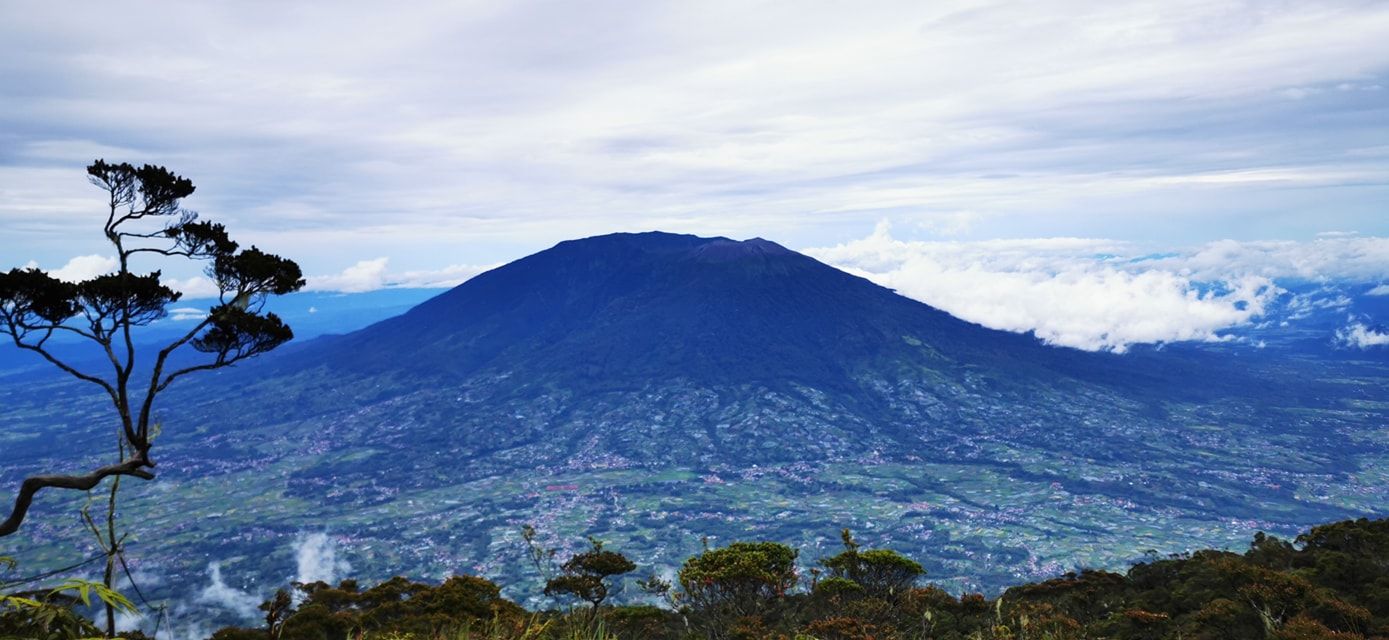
(632, 309)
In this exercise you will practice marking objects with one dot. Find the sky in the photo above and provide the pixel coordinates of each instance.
(417, 145)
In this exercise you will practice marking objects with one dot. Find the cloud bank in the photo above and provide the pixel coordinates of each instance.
(340, 131)
(1104, 295)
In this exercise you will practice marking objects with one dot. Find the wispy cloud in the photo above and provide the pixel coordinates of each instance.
(370, 275)
(340, 133)
(220, 594)
(184, 314)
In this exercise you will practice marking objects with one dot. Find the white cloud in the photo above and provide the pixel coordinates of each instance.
(85, 268)
(194, 288)
(316, 559)
(366, 275)
(450, 276)
(1381, 290)
(369, 275)
(183, 314)
(1070, 291)
(219, 594)
(1359, 336)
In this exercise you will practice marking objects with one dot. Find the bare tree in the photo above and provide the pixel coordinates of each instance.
(145, 220)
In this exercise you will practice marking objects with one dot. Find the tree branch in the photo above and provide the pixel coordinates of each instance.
(134, 466)
(162, 252)
(27, 328)
(216, 364)
(111, 391)
(155, 387)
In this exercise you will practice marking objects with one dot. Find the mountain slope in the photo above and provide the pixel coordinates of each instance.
(652, 389)
(661, 351)
(623, 309)
(636, 307)
(657, 347)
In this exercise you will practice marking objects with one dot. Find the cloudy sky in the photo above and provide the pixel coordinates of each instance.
(416, 144)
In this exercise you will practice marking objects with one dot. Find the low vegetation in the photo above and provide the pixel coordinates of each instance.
(1331, 583)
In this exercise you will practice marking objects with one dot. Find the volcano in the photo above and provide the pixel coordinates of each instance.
(621, 310)
(655, 389)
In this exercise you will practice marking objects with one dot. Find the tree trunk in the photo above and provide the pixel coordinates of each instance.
(112, 549)
(135, 466)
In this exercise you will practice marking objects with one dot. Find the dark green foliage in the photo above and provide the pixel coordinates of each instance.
(32, 298)
(838, 588)
(255, 272)
(1088, 595)
(1328, 586)
(1351, 558)
(33, 301)
(149, 189)
(238, 633)
(881, 573)
(202, 239)
(865, 593)
(397, 605)
(743, 583)
(137, 300)
(586, 575)
(643, 622)
(234, 333)
(744, 576)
